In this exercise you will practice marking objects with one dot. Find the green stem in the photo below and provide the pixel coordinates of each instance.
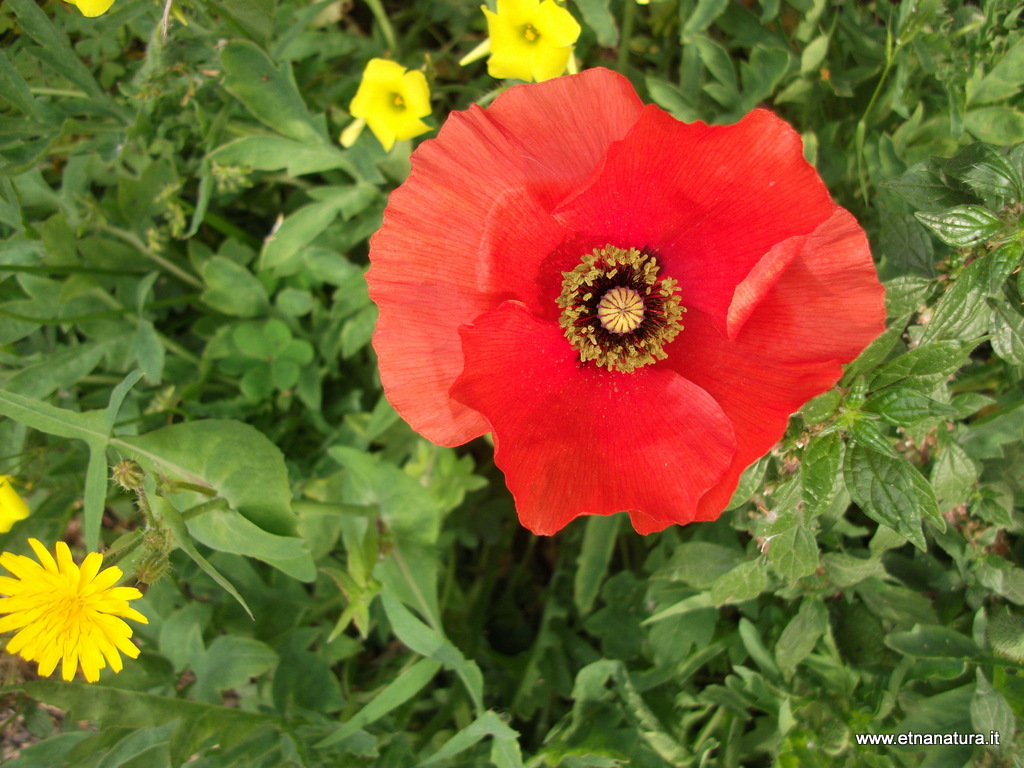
(141, 247)
(628, 15)
(377, 8)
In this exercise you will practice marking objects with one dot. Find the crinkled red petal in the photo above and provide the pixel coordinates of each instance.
(575, 440)
(470, 228)
(711, 200)
(822, 311)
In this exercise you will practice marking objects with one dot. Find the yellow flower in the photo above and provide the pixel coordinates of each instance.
(391, 101)
(67, 613)
(12, 507)
(530, 40)
(92, 7)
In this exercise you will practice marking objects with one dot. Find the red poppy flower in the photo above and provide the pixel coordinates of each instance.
(633, 305)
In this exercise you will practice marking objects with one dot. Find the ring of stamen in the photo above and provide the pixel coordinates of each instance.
(616, 311)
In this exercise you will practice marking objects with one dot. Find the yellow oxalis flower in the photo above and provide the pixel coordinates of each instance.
(391, 100)
(530, 40)
(67, 613)
(12, 507)
(92, 7)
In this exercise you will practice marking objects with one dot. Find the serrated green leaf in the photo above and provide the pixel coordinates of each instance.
(793, 553)
(744, 582)
(962, 226)
(890, 491)
(922, 187)
(960, 304)
(986, 171)
(819, 471)
(916, 367)
(904, 407)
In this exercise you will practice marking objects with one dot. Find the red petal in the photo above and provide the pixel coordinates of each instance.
(823, 310)
(470, 228)
(575, 440)
(562, 127)
(712, 201)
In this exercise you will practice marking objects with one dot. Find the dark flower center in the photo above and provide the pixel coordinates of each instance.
(530, 33)
(616, 311)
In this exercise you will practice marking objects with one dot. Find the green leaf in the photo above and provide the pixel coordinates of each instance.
(599, 537)
(1008, 333)
(430, 643)
(114, 707)
(488, 724)
(703, 15)
(923, 187)
(233, 459)
(1002, 577)
(230, 662)
(996, 125)
(269, 93)
(277, 153)
(904, 407)
(932, 642)
(744, 582)
(890, 491)
(793, 553)
(750, 482)
(986, 171)
(962, 226)
(256, 17)
(600, 19)
(813, 55)
(406, 684)
(227, 531)
(232, 289)
(1003, 80)
(960, 305)
(55, 49)
(990, 712)
(819, 471)
(801, 635)
(167, 514)
(917, 367)
(906, 244)
(846, 570)
(953, 476)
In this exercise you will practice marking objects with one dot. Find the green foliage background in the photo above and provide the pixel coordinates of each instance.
(182, 249)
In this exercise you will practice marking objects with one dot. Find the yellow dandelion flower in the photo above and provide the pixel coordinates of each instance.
(530, 40)
(92, 7)
(391, 100)
(67, 613)
(12, 507)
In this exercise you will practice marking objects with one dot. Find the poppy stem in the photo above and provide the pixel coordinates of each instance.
(628, 14)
